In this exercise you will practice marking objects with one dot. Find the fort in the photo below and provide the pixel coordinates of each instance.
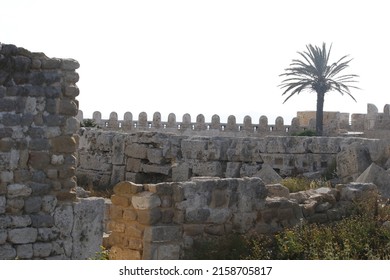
(173, 182)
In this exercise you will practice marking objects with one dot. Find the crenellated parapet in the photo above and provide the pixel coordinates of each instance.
(335, 123)
(193, 126)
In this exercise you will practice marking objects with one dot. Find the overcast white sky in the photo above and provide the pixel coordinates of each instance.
(203, 56)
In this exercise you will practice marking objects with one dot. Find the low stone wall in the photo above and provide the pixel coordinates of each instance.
(162, 221)
(106, 158)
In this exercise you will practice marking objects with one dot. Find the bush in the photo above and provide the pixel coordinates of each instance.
(305, 133)
(88, 123)
(296, 184)
(358, 237)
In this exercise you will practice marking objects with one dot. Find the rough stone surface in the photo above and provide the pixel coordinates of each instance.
(378, 176)
(268, 175)
(87, 232)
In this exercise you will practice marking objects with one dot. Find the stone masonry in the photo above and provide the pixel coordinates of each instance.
(163, 221)
(39, 216)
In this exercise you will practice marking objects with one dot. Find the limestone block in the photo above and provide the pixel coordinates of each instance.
(357, 191)
(64, 144)
(87, 232)
(129, 215)
(268, 174)
(127, 188)
(18, 190)
(352, 161)
(7, 252)
(233, 170)
(377, 175)
(42, 250)
(5, 221)
(162, 233)
(118, 150)
(149, 217)
(324, 145)
(24, 251)
(117, 253)
(219, 215)
(122, 201)
(134, 231)
(3, 202)
(136, 150)
(145, 200)
(197, 215)
(195, 148)
(33, 204)
(118, 174)
(15, 205)
(38, 160)
(168, 252)
(217, 148)
(277, 190)
(181, 172)
(133, 165)
(212, 169)
(159, 169)
(49, 202)
(155, 155)
(249, 169)
(42, 220)
(22, 235)
(20, 221)
(3, 236)
(47, 234)
(63, 219)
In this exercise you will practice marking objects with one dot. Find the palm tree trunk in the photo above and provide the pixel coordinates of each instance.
(320, 113)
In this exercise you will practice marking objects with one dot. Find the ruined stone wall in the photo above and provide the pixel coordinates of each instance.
(165, 221)
(39, 216)
(107, 157)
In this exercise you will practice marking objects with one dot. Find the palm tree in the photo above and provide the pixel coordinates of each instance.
(313, 73)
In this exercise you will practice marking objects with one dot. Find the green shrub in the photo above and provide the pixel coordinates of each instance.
(88, 123)
(305, 133)
(296, 184)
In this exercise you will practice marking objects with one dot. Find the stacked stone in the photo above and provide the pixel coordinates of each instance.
(37, 149)
(142, 222)
(165, 220)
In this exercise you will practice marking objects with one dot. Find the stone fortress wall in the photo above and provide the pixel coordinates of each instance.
(39, 216)
(162, 202)
(371, 124)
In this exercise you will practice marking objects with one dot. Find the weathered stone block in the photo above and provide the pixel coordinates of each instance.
(3, 203)
(134, 231)
(233, 170)
(135, 150)
(133, 165)
(135, 244)
(195, 149)
(18, 190)
(39, 220)
(155, 155)
(33, 204)
(117, 253)
(145, 200)
(120, 200)
(42, 250)
(87, 230)
(20, 221)
(7, 252)
(63, 219)
(127, 188)
(162, 233)
(22, 235)
(277, 190)
(64, 144)
(149, 217)
(3, 236)
(49, 202)
(129, 215)
(212, 169)
(219, 198)
(181, 172)
(47, 234)
(197, 215)
(39, 160)
(24, 251)
(15, 205)
(159, 169)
